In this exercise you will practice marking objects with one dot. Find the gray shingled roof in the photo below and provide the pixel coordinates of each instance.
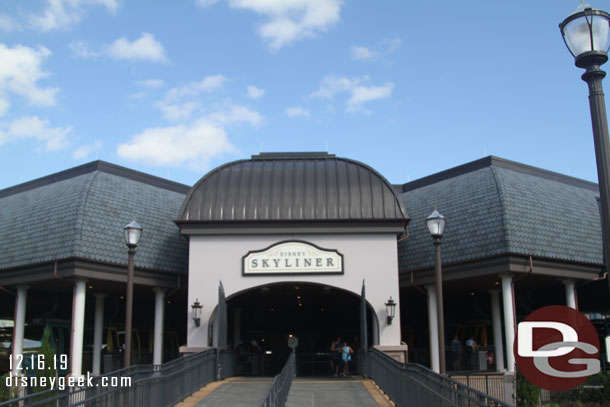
(293, 187)
(81, 214)
(494, 206)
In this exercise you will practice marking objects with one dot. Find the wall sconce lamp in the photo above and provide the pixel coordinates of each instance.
(197, 312)
(391, 310)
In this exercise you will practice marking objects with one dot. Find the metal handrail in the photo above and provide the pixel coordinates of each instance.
(278, 393)
(415, 385)
(163, 385)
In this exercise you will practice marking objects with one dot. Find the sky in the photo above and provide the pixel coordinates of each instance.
(175, 89)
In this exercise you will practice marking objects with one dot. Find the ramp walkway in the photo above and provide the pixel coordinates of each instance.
(304, 392)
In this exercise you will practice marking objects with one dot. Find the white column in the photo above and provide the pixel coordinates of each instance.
(20, 303)
(433, 328)
(158, 335)
(570, 293)
(78, 327)
(509, 319)
(496, 321)
(236, 326)
(98, 330)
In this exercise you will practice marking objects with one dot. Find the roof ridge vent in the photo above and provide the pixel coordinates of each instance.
(303, 155)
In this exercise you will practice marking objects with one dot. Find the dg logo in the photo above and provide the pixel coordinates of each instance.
(556, 348)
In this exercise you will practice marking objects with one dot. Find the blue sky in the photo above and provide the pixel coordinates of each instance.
(177, 88)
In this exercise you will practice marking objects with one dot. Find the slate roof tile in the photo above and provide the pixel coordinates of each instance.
(84, 216)
(497, 209)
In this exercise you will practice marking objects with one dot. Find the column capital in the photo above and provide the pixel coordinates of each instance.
(494, 291)
(160, 290)
(430, 287)
(22, 287)
(567, 281)
(506, 275)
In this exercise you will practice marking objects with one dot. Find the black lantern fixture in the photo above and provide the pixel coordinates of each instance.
(133, 231)
(390, 307)
(586, 33)
(197, 312)
(436, 225)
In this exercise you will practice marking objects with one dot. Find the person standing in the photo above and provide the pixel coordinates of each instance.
(335, 356)
(346, 357)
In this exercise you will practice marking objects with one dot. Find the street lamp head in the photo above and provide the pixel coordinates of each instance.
(585, 33)
(436, 224)
(133, 231)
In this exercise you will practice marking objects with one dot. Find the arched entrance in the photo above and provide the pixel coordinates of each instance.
(261, 319)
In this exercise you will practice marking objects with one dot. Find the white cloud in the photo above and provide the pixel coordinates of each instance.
(362, 53)
(85, 151)
(20, 71)
(205, 3)
(255, 93)
(385, 47)
(207, 84)
(291, 20)
(177, 112)
(34, 128)
(237, 114)
(62, 14)
(144, 48)
(362, 94)
(151, 83)
(359, 93)
(7, 23)
(296, 111)
(178, 104)
(81, 49)
(391, 44)
(192, 145)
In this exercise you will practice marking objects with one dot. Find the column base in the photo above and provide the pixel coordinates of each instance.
(398, 352)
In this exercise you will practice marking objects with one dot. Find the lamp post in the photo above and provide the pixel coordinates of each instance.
(436, 225)
(585, 33)
(133, 231)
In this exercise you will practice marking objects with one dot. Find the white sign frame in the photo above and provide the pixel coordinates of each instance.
(290, 257)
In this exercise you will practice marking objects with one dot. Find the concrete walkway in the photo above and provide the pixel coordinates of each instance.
(233, 392)
(305, 392)
(336, 392)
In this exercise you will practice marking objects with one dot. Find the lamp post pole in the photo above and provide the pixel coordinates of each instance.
(436, 225)
(586, 34)
(439, 304)
(129, 307)
(593, 76)
(133, 231)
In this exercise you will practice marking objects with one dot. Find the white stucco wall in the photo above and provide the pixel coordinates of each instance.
(372, 257)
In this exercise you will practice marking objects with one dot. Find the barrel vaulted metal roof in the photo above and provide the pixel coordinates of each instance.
(495, 206)
(80, 213)
(293, 187)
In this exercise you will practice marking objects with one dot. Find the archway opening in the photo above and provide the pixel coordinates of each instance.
(261, 320)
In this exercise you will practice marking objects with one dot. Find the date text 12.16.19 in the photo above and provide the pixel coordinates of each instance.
(38, 362)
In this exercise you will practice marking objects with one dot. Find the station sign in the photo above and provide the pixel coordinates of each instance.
(293, 257)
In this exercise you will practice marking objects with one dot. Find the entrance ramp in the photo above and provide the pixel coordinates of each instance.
(233, 392)
(336, 392)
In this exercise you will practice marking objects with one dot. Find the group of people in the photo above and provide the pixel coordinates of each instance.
(463, 358)
(340, 356)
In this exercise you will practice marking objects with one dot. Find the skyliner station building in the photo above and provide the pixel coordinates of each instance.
(290, 240)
